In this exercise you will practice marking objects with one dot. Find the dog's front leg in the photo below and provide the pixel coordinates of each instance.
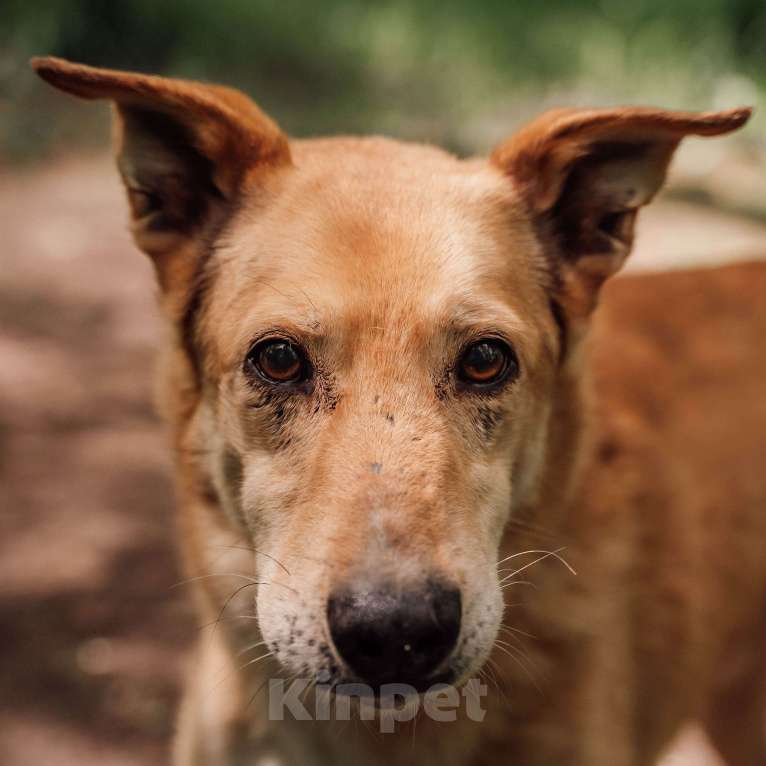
(221, 725)
(207, 722)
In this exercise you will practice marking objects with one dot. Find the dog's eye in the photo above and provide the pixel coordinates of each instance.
(487, 362)
(278, 361)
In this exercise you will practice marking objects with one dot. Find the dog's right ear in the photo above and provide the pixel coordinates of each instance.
(186, 152)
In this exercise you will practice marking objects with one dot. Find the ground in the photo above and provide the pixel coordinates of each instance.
(94, 625)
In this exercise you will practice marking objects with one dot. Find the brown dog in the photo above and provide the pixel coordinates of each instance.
(392, 441)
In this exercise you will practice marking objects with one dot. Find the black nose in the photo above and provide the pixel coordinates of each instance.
(389, 636)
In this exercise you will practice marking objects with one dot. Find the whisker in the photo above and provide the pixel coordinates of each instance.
(515, 647)
(233, 672)
(507, 584)
(216, 574)
(257, 659)
(517, 642)
(228, 619)
(256, 693)
(495, 668)
(519, 662)
(250, 648)
(516, 630)
(547, 555)
(526, 553)
(227, 602)
(252, 580)
(488, 673)
(517, 582)
(257, 553)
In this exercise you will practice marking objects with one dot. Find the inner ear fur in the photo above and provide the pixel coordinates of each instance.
(584, 174)
(185, 150)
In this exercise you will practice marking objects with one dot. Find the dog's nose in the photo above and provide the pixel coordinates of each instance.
(396, 636)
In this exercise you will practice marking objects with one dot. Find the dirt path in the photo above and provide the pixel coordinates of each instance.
(91, 629)
(92, 632)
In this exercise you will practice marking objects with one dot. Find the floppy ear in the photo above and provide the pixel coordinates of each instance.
(186, 152)
(585, 173)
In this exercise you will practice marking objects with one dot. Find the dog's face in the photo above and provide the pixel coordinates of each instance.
(375, 333)
(379, 352)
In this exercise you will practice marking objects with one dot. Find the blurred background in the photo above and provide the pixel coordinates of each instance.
(93, 622)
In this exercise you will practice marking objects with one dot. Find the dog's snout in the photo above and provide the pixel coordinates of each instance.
(386, 635)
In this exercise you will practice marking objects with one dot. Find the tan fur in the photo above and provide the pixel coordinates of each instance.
(629, 445)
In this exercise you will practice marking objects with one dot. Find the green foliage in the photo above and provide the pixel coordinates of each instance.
(401, 66)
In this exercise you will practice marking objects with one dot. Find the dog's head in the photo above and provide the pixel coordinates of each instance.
(370, 338)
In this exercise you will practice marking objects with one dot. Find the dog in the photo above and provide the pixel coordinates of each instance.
(411, 451)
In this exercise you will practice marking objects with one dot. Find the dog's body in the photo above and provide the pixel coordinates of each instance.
(419, 400)
(665, 621)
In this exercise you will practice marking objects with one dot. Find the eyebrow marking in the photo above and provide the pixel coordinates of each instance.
(313, 323)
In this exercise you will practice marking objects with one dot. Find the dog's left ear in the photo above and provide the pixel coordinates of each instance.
(585, 173)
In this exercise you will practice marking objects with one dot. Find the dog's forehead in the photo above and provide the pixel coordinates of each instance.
(376, 229)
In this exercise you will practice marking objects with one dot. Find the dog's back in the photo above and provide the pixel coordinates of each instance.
(679, 371)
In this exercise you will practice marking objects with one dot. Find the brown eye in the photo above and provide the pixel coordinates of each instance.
(487, 362)
(278, 361)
